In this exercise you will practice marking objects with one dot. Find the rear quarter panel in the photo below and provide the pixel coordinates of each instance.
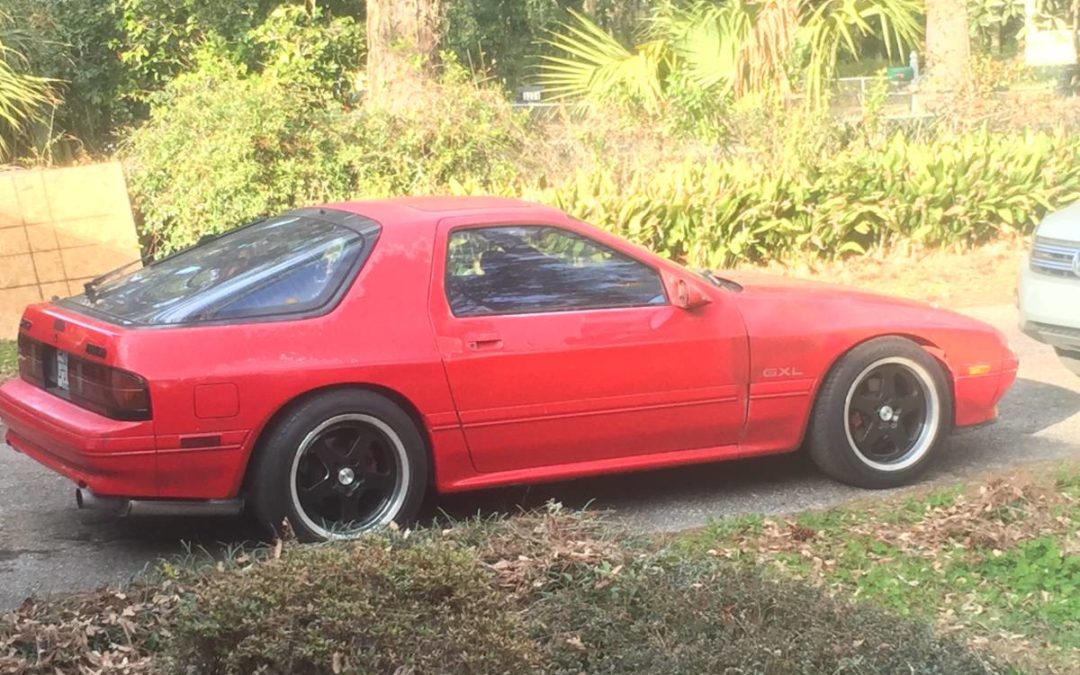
(230, 380)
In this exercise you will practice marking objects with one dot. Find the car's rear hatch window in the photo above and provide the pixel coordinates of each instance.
(289, 265)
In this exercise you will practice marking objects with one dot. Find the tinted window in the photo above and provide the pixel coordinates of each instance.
(284, 265)
(516, 270)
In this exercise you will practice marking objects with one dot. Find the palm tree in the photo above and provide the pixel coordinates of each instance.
(735, 48)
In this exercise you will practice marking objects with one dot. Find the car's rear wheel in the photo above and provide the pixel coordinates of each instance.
(1070, 359)
(338, 465)
(880, 415)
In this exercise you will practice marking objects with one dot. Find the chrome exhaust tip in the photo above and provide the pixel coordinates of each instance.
(89, 501)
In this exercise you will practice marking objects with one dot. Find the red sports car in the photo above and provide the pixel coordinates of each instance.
(332, 364)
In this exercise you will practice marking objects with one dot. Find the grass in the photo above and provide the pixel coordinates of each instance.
(996, 564)
(9, 359)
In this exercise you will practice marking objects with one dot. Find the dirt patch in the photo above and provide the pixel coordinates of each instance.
(981, 276)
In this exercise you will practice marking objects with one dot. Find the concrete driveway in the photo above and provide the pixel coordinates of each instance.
(46, 546)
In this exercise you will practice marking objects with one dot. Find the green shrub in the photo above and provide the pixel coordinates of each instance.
(370, 608)
(224, 146)
(957, 189)
(158, 38)
(71, 41)
(549, 592)
(687, 615)
(544, 593)
(459, 131)
(309, 48)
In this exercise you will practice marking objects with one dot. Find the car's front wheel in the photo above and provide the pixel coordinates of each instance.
(1070, 359)
(880, 414)
(338, 465)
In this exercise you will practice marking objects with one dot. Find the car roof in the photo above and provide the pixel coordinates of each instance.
(431, 209)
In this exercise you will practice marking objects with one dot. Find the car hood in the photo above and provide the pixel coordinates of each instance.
(1063, 224)
(787, 317)
(805, 301)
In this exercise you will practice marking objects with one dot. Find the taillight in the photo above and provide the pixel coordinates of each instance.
(31, 360)
(109, 391)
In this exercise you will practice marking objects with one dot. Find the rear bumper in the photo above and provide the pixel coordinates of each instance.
(110, 457)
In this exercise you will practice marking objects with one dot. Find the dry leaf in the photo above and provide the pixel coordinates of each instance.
(575, 642)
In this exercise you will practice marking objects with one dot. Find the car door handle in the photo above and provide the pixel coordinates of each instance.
(481, 341)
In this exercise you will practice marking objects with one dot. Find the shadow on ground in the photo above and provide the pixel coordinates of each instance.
(689, 482)
(1032, 406)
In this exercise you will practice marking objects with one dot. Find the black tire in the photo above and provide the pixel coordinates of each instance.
(372, 453)
(1070, 359)
(862, 435)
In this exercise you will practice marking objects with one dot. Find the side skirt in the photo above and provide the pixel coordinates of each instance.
(558, 472)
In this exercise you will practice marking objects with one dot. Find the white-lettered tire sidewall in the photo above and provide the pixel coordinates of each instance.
(271, 492)
(828, 437)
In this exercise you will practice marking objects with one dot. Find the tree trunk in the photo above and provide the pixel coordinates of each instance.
(1070, 77)
(948, 50)
(402, 43)
(1074, 15)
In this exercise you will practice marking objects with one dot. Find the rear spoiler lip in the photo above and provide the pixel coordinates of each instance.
(61, 311)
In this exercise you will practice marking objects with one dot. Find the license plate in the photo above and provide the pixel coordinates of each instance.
(62, 370)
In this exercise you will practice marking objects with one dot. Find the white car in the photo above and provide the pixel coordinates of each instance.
(1049, 292)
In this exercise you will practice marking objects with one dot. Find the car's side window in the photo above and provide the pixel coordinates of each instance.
(531, 269)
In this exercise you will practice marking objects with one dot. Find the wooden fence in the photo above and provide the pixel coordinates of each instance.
(59, 228)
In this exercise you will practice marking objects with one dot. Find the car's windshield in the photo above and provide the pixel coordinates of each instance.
(283, 265)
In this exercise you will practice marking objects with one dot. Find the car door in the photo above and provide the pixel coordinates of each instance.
(560, 349)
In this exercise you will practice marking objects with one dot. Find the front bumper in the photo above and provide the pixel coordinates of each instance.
(107, 456)
(1050, 308)
(977, 396)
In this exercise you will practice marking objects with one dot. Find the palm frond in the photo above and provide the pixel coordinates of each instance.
(706, 41)
(593, 64)
(741, 46)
